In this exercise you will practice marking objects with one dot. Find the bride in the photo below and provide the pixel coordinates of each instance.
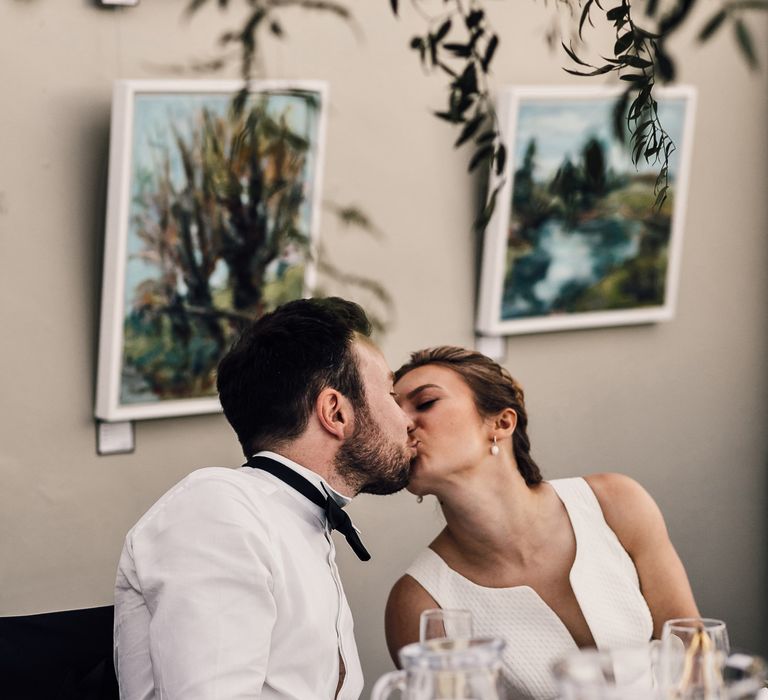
(548, 566)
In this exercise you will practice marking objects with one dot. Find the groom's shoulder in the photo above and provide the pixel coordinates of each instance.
(211, 490)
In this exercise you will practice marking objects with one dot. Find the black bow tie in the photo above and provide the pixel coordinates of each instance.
(337, 518)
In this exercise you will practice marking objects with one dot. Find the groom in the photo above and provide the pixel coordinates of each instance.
(228, 586)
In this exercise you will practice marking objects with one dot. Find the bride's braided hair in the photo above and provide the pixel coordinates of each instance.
(493, 388)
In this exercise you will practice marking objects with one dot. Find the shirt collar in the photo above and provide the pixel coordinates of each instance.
(313, 477)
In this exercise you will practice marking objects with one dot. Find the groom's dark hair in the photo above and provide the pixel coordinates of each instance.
(271, 376)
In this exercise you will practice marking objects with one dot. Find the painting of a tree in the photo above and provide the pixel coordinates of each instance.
(219, 231)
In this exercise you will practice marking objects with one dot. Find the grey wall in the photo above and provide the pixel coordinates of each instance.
(680, 406)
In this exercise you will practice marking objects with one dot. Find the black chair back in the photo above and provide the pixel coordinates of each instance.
(58, 656)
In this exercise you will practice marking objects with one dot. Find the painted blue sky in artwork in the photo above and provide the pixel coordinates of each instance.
(154, 117)
(562, 125)
(154, 114)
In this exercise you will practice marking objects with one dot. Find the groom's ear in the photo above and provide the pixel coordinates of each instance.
(334, 413)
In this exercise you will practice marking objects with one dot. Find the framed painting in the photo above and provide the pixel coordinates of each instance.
(212, 220)
(575, 240)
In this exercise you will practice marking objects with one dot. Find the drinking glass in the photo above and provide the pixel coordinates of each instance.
(445, 669)
(620, 674)
(445, 623)
(692, 658)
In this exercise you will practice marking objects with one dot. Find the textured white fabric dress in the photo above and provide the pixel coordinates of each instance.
(604, 581)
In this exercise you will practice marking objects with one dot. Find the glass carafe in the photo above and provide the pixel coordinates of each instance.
(446, 669)
(620, 674)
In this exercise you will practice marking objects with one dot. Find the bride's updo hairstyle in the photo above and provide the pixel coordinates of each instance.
(494, 390)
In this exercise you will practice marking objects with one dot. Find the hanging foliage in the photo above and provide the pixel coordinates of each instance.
(640, 58)
(460, 44)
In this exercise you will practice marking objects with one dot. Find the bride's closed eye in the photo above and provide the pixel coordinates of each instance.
(424, 405)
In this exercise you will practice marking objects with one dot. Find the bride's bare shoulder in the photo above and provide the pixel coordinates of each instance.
(627, 507)
(611, 486)
(407, 600)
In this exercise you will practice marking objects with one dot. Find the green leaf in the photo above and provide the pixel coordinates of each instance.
(459, 50)
(744, 40)
(485, 216)
(459, 103)
(584, 17)
(642, 102)
(664, 65)
(652, 150)
(623, 43)
(501, 158)
(712, 25)
(239, 100)
(448, 116)
(252, 25)
(572, 54)
(467, 83)
(675, 17)
(469, 130)
(432, 49)
(638, 151)
(636, 109)
(474, 18)
(619, 110)
(642, 126)
(481, 155)
(476, 35)
(489, 51)
(617, 12)
(441, 33)
(597, 71)
(464, 104)
(636, 62)
(486, 136)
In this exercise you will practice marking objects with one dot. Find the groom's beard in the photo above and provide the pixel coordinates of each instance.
(369, 463)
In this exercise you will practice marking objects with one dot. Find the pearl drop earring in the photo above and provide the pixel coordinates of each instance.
(494, 447)
(419, 499)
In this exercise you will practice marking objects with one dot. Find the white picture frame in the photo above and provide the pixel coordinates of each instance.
(194, 190)
(548, 265)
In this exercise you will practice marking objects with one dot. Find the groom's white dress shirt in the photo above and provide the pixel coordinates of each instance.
(227, 588)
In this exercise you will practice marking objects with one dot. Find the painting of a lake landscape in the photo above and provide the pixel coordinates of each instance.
(211, 222)
(576, 240)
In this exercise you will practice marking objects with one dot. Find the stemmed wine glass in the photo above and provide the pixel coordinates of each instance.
(445, 623)
(692, 657)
